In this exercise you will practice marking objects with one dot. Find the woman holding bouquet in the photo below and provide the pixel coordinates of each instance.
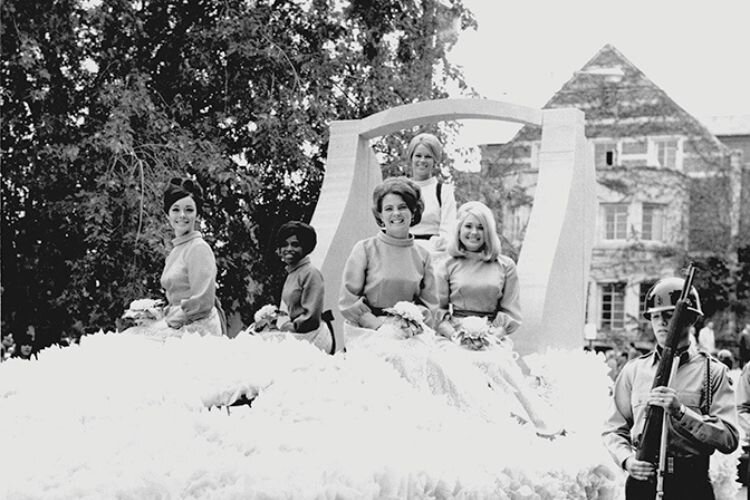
(478, 292)
(189, 276)
(303, 292)
(384, 278)
(476, 279)
(388, 268)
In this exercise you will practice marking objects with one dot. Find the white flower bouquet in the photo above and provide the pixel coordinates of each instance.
(144, 311)
(474, 333)
(408, 317)
(266, 318)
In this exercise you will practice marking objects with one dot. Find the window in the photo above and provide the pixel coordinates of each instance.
(635, 147)
(515, 220)
(652, 223)
(666, 152)
(615, 221)
(604, 154)
(634, 153)
(612, 306)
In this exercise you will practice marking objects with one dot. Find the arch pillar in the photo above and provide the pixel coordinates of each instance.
(554, 260)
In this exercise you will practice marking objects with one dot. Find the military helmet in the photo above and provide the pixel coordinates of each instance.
(663, 296)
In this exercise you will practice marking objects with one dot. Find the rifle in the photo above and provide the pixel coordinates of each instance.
(651, 439)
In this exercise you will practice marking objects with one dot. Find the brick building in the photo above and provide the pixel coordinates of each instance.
(668, 189)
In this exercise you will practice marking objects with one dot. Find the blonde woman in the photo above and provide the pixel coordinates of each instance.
(424, 155)
(479, 297)
(477, 279)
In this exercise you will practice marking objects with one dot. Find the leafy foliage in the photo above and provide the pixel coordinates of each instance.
(104, 102)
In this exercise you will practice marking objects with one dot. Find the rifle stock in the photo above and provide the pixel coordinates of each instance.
(648, 447)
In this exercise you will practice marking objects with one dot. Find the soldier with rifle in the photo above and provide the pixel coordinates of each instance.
(673, 406)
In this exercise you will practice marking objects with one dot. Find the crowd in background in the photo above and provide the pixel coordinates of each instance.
(703, 338)
(24, 346)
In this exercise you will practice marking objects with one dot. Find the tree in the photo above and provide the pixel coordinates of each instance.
(104, 102)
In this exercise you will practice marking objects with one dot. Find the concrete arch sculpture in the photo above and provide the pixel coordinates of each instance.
(554, 261)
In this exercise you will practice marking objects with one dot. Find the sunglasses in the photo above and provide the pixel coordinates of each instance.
(185, 184)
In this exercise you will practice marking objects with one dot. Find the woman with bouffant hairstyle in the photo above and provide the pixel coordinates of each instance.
(424, 154)
(304, 291)
(478, 285)
(476, 279)
(189, 276)
(388, 267)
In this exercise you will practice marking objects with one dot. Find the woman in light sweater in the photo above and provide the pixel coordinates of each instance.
(189, 276)
(425, 154)
(476, 279)
(388, 267)
(477, 282)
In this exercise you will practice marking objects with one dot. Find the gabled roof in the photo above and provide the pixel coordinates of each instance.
(620, 101)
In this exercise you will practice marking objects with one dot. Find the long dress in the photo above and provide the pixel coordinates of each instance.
(189, 280)
(471, 286)
(380, 273)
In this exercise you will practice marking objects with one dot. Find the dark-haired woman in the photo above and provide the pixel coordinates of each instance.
(189, 276)
(303, 292)
(388, 267)
(24, 347)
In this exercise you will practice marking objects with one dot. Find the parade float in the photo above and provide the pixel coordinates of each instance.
(129, 415)
(124, 416)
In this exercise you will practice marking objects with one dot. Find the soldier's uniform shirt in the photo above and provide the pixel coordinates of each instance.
(743, 402)
(692, 435)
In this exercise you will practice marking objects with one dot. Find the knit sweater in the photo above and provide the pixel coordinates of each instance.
(475, 286)
(189, 276)
(303, 295)
(383, 270)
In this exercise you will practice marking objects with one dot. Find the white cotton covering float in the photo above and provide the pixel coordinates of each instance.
(123, 416)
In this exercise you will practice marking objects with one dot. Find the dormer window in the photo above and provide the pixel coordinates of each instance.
(660, 152)
(666, 152)
(605, 154)
(634, 153)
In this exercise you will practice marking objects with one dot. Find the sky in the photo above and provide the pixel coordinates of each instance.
(524, 51)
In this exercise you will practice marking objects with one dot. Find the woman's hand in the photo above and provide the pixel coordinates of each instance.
(369, 320)
(499, 321)
(176, 318)
(638, 469)
(288, 327)
(498, 332)
(446, 329)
